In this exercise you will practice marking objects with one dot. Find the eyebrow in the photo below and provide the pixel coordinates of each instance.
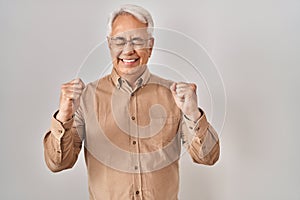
(123, 38)
(119, 37)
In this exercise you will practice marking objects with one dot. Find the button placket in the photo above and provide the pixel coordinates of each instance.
(135, 145)
(132, 110)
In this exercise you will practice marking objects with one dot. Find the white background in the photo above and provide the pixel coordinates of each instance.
(255, 45)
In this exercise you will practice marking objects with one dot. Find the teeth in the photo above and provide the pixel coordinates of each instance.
(132, 60)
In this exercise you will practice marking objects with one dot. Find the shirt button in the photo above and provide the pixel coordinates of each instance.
(133, 118)
(134, 142)
(58, 151)
(132, 94)
(135, 167)
(60, 131)
(137, 192)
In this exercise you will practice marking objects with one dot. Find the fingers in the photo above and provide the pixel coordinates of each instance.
(69, 99)
(183, 91)
(76, 83)
(71, 95)
(184, 86)
(193, 86)
(173, 88)
(185, 98)
(78, 80)
(177, 91)
(73, 89)
(179, 88)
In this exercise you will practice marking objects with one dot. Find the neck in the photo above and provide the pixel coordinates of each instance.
(131, 80)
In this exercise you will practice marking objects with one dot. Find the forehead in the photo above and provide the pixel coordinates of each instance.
(128, 25)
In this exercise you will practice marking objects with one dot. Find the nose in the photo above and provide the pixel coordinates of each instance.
(128, 48)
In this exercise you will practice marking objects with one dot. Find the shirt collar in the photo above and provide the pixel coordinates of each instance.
(142, 80)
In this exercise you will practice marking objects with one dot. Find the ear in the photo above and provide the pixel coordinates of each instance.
(151, 44)
(108, 42)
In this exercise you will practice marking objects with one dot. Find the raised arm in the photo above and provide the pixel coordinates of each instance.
(62, 143)
(199, 137)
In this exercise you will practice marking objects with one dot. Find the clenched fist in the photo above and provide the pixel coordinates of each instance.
(69, 99)
(186, 99)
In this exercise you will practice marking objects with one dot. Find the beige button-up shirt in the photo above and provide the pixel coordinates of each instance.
(132, 139)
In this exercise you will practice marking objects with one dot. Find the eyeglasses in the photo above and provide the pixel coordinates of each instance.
(120, 42)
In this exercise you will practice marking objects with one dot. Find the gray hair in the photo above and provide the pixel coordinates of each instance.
(138, 12)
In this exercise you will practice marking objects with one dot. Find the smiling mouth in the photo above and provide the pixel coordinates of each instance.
(129, 61)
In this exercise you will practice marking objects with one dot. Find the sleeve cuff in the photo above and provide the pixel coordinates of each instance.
(200, 126)
(58, 128)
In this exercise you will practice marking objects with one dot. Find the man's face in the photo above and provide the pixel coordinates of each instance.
(130, 45)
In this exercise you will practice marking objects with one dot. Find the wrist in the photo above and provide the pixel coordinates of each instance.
(194, 116)
(63, 117)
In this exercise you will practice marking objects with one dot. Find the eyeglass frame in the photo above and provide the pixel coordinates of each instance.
(121, 46)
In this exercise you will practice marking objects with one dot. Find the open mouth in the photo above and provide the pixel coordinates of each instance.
(129, 61)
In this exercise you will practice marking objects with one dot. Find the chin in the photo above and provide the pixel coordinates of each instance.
(132, 70)
(129, 71)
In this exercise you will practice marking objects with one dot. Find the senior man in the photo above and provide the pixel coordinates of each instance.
(132, 122)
